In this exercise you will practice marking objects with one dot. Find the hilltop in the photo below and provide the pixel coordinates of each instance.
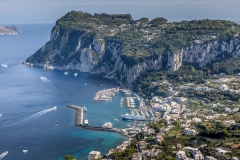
(123, 48)
(9, 30)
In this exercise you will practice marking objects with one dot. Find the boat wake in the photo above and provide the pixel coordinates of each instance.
(4, 65)
(43, 112)
(45, 79)
(3, 154)
(51, 83)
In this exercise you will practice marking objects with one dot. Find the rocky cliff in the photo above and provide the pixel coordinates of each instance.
(124, 51)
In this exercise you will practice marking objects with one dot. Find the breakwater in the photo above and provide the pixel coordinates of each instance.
(79, 121)
(79, 114)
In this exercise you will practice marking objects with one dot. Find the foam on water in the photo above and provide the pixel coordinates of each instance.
(4, 65)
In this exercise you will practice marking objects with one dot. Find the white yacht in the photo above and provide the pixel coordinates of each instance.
(85, 122)
(133, 117)
(24, 151)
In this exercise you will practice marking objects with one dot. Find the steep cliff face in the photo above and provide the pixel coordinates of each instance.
(88, 54)
(121, 48)
(203, 54)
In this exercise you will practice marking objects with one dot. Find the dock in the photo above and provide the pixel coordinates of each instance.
(78, 115)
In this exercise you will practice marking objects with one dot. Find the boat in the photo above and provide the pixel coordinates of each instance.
(85, 122)
(56, 125)
(107, 125)
(3, 154)
(24, 151)
(54, 107)
(75, 74)
(116, 119)
(66, 73)
(85, 84)
(50, 67)
(0, 115)
(133, 117)
(85, 109)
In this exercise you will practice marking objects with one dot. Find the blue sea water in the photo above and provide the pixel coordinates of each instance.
(27, 120)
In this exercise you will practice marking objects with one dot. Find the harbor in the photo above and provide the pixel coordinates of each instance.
(131, 100)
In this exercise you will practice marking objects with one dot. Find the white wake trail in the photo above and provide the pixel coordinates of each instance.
(43, 112)
(4, 65)
(45, 79)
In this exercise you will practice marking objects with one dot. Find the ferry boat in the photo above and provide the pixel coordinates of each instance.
(3, 154)
(133, 117)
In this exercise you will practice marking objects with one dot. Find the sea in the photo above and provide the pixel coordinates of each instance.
(27, 100)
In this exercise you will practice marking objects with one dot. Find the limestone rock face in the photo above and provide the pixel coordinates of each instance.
(84, 52)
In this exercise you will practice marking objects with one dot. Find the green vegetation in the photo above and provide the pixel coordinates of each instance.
(140, 39)
(68, 157)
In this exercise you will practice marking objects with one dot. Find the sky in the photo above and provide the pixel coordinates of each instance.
(48, 11)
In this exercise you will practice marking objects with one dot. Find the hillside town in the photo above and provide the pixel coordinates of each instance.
(185, 127)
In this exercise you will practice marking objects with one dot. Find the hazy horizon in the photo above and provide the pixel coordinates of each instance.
(33, 11)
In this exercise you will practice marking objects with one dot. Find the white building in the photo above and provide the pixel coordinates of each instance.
(94, 154)
(223, 87)
(181, 155)
(188, 131)
(220, 151)
(196, 120)
(229, 123)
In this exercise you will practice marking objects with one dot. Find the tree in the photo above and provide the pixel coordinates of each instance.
(68, 157)
(116, 155)
(177, 123)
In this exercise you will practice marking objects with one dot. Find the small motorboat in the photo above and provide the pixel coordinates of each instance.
(24, 151)
(75, 74)
(66, 73)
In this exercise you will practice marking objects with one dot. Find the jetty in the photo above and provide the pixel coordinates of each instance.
(78, 115)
